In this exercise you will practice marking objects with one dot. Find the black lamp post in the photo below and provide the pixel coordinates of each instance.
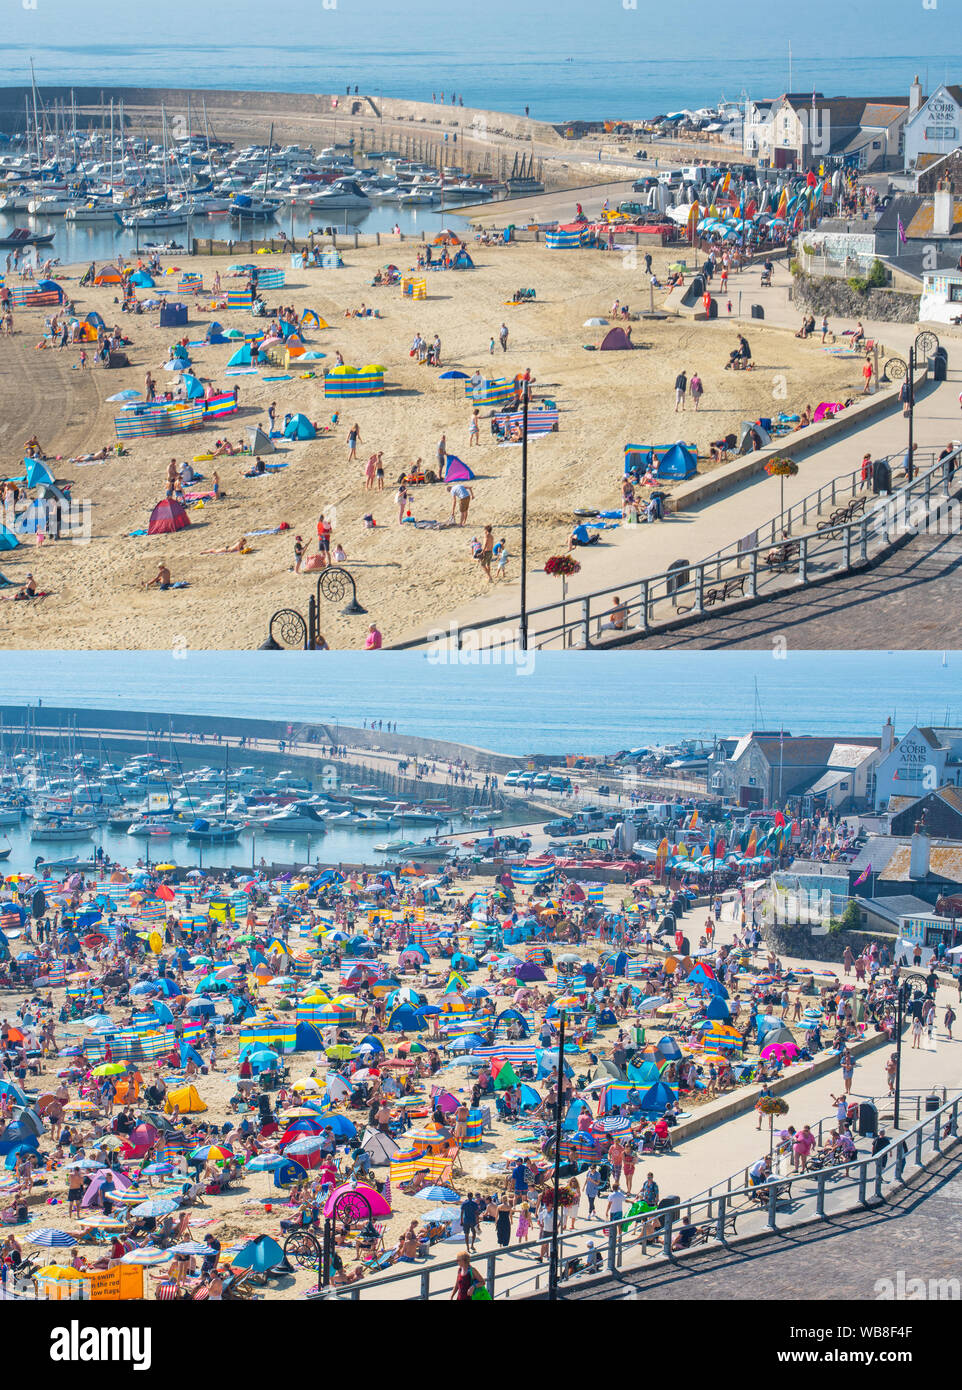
(289, 630)
(553, 1265)
(910, 382)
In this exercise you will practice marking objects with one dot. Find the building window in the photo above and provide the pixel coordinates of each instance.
(955, 294)
(941, 132)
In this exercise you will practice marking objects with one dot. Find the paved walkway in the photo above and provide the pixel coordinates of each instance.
(914, 1231)
(910, 600)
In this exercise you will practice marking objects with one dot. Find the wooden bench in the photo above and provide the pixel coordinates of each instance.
(784, 558)
(732, 588)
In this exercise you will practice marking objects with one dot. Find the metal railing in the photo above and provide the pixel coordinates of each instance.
(761, 1205)
(843, 541)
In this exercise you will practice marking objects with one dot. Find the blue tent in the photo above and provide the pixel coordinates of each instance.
(570, 1121)
(669, 1049)
(456, 470)
(260, 1255)
(700, 976)
(37, 472)
(405, 1020)
(645, 1075)
(677, 462)
(142, 279)
(300, 427)
(242, 357)
(8, 540)
(657, 1098)
(195, 390)
(513, 1016)
(308, 1038)
(215, 333)
(51, 287)
(288, 1172)
(718, 1009)
(616, 964)
(716, 989)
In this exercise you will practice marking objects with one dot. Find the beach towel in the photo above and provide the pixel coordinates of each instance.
(277, 378)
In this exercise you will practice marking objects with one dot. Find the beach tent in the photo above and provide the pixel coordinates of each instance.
(215, 334)
(260, 442)
(51, 287)
(677, 462)
(616, 340)
(37, 473)
(34, 520)
(405, 1020)
(8, 540)
(185, 1100)
(168, 515)
(657, 1098)
(456, 471)
(173, 315)
(380, 1148)
(745, 444)
(242, 357)
(195, 390)
(462, 261)
(300, 427)
(142, 280)
(718, 1009)
(109, 275)
(95, 320)
(309, 319)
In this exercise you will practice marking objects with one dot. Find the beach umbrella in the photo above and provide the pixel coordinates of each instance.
(52, 1238)
(128, 395)
(437, 1192)
(149, 1255)
(614, 1124)
(442, 1214)
(155, 1206)
(190, 1247)
(217, 1152)
(109, 1069)
(263, 1163)
(156, 1170)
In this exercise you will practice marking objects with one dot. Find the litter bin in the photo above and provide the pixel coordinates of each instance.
(758, 311)
(932, 1103)
(713, 308)
(938, 364)
(867, 1119)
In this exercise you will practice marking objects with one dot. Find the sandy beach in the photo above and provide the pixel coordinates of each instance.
(404, 574)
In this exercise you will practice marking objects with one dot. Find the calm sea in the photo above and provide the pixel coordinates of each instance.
(569, 703)
(586, 62)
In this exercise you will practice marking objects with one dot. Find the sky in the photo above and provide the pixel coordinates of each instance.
(641, 28)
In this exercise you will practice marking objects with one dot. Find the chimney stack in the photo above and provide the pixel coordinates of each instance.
(888, 737)
(942, 212)
(920, 852)
(915, 96)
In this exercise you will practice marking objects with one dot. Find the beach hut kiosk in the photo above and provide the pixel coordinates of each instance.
(344, 382)
(414, 287)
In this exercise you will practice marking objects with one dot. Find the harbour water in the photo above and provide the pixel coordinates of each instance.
(569, 702)
(73, 245)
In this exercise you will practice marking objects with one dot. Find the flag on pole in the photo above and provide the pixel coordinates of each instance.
(901, 230)
(863, 876)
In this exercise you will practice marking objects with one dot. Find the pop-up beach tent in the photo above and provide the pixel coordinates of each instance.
(241, 358)
(300, 427)
(456, 470)
(215, 333)
(260, 443)
(168, 515)
(616, 340)
(37, 473)
(677, 462)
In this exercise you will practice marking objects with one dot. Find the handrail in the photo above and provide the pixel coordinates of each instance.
(614, 1234)
(580, 621)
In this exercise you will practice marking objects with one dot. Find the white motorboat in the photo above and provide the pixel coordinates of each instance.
(298, 818)
(341, 194)
(65, 829)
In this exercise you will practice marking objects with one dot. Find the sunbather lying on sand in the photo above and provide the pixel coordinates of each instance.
(240, 547)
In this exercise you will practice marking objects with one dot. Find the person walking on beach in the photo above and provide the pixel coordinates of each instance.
(681, 386)
(353, 440)
(503, 335)
(474, 428)
(487, 552)
(696, 389)
(369, 468)
(324, 540)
